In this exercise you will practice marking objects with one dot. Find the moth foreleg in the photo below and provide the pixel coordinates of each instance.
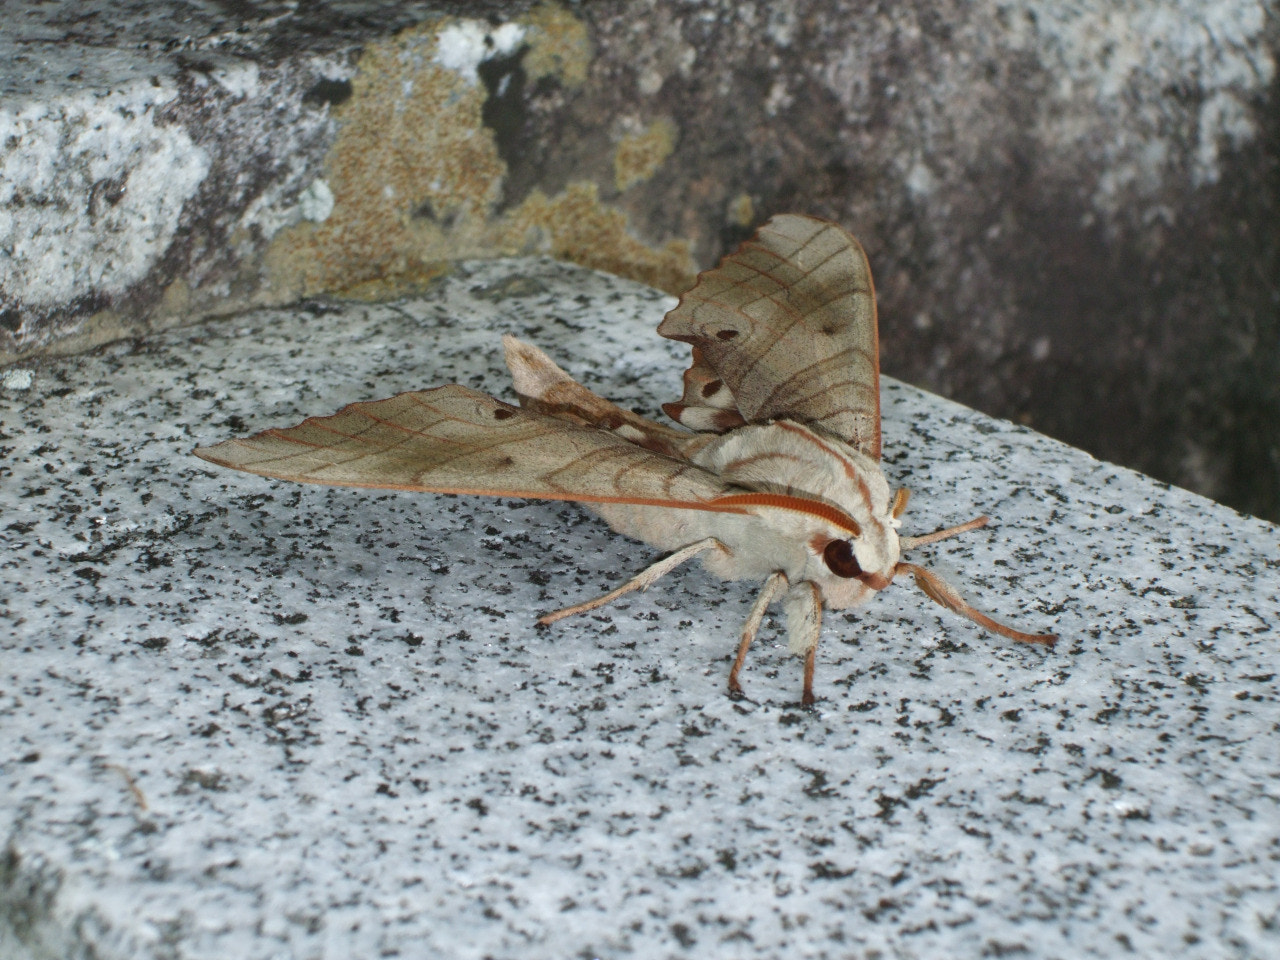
(804, 625)
(642, 581)
(776, 583)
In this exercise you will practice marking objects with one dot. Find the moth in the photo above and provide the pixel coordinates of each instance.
(773, 473)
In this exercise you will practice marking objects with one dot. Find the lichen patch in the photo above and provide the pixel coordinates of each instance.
(416, 177)
(640, 155)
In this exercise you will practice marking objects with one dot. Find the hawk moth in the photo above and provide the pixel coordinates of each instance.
(773, 473)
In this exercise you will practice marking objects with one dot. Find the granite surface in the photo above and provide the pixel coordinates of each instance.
(249, 719)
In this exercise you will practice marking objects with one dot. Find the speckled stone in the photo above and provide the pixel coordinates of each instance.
(250, 719)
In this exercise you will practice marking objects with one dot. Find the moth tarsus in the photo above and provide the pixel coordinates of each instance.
(773, 474)
(807, 699)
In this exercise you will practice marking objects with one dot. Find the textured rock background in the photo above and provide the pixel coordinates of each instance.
(1070, 208)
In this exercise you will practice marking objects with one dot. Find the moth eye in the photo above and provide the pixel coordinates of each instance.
(502, 413)
(840, 560)
(726, 334)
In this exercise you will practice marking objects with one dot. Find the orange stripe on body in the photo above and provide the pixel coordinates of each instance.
(781, 501)
(849, 469)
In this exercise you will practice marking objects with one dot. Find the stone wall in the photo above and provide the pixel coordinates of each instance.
(1070, 210)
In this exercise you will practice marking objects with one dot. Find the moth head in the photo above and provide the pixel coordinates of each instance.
(851, 568)
(851, 565)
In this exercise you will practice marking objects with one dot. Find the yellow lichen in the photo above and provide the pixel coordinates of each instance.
(559, 45)
(414, 175)
(639, 156)
(416, 178)
(742, 211)
(408, 280)
(576, 226)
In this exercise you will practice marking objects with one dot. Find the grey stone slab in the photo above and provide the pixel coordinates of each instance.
(243, 718)
(55, 48)
(151, 152)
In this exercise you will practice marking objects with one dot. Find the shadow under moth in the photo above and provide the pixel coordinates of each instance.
(773, 475)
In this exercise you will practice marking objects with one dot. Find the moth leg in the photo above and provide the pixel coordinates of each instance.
(804, 625)
(807, 699)
(942, 593)
(642, 581)
(910, 543)
(776, 583)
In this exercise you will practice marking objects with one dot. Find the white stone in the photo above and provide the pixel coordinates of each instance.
(16, 379)
(93, 191)
(316, 202)
(464, 45)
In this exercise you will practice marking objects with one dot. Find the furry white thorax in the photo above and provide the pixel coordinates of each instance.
(790, 459)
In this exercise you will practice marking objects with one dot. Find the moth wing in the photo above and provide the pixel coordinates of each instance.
(456, 440)
(784, 328)
(545, 388)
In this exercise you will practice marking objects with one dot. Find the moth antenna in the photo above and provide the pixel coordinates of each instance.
(899, 502)
(910, 543)
(776, 583)
(942, 593)
(641, 581)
